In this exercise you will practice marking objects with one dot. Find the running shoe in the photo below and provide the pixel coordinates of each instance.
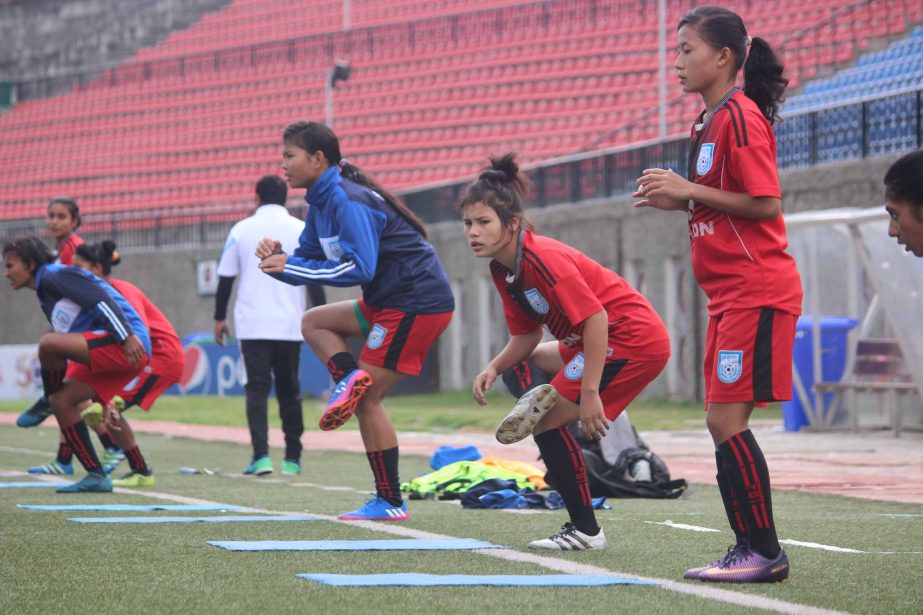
(290, 468)
(55, 467)
(134, 480)
(530, 408)
(571, 539)
(259, 467)
(377, 509)
(748, 566)
(36, 414)
(91, 483)
(112, 457)
(695, 573)
(345, 399)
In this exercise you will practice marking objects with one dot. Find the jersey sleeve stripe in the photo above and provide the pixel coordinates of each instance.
(743, 123)
(110, 316)
(319, 274)
(734, 124)
(540, 268)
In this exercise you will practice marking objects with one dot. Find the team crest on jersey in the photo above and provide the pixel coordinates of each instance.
(706, 158)
(63, 315)
(535, 299)
(574, 369)
(331, 246)
(376, 337)
(730, 365)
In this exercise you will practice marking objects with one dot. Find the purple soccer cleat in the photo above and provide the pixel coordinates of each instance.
(695, 573)
(744, 565)
(345, 399)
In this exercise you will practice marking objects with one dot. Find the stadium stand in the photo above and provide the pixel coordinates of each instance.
(436, 86)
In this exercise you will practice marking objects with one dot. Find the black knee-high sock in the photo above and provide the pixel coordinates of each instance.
(341, 364)
(52, 380)
(735, 520)
(748, 477)
(384, 469)
(78, 436)
(107, 441)
(65, 453)
(564, 460)
(136, 461)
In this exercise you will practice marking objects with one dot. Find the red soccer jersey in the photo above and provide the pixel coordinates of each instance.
(559, 287)
(167, 350)
(739, 262)
(67, 248)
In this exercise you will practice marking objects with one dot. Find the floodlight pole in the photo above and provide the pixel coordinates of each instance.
(662, 71)
(347, 10)
(328, 97)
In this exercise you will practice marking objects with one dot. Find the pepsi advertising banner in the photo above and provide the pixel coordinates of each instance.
(219, 370)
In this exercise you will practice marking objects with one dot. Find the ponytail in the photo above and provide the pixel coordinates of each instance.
(764, 83)
(315, 137)
(502, 187)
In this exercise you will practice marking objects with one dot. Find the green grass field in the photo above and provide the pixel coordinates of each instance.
(52, 565)
(439, 412)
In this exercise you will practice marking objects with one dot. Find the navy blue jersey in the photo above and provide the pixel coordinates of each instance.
(352, 236)
(74, 300)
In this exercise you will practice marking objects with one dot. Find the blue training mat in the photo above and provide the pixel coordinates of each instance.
(132, 507)
(353, 545)
(215, 519)
(403, 579)
(36, 483)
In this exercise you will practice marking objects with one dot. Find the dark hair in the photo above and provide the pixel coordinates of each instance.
(502, 187)
(30, 250)
(71, 206)
(103, 254)
(314, 137)
(763, 80)
(904, 180)
(271, 189)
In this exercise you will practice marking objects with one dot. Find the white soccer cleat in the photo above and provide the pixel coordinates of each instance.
(528, 411)
(571, 539)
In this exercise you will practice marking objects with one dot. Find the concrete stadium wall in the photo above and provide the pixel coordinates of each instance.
(650, 249)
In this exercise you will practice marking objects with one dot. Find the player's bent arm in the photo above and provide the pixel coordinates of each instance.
(518, 348)
(737, 203)
(595, 345)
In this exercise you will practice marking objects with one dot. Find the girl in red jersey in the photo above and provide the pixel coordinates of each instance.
(611, 343)
(164, 370)
(62, 222)
(734, 204)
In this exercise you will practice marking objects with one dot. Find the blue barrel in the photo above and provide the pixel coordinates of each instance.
(834, 332)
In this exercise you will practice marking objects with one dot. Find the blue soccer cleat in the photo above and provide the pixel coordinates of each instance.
(91, 483)
(344, 400)
(377, 509)
(36, 414)
(55, 467)
(112, 457)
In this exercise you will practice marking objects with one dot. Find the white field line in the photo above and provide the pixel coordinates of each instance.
(24, 451)
(899, 515)
(683, 526)
(550, 563)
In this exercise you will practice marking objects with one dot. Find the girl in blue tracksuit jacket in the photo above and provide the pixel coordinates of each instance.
(98, 339)
(358, 234)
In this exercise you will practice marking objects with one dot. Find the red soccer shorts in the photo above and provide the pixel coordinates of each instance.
(397, 340)
(748, 356)
(622, 379)
(109, 368)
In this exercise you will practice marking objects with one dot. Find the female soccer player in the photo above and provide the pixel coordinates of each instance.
(164, 369)
(904, 196)
(356, 233)
(611, 343)
(99, 341)
(738, 239)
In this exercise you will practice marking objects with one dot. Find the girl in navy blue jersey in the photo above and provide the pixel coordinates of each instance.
(358, 234)
(94, 326)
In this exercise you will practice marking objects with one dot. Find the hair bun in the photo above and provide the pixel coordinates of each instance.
(494, 175)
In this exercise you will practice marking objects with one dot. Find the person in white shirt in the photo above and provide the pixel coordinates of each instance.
(267, 314)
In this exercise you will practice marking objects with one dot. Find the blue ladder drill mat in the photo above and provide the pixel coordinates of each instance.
(37, 483)
(215, 519)
(405, 579)
(352, 545)
(132, 507)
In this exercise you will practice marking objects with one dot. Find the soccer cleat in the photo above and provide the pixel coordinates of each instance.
(93, 415)
(259, 467)
(290, 468)
(55, 467)
(694, 573)
(530, 408)
(377, 509)
(112, 457)
(748, 566)
(134, 479)
(91, 483)
(571, 539)
(36, 414)
(345, 399)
